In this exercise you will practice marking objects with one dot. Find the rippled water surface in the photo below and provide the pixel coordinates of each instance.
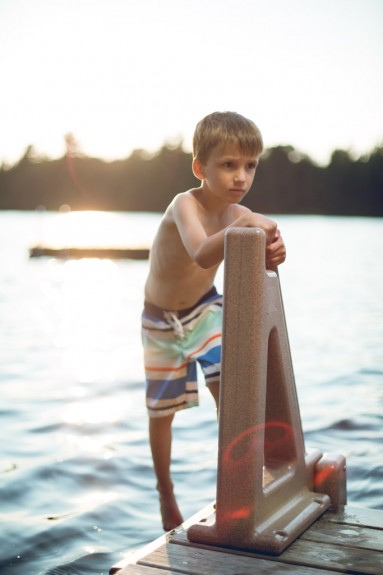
(77, 486)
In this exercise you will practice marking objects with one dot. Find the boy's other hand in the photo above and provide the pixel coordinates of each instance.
(275, 252)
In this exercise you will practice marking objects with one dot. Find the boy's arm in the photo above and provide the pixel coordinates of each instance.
(208, 251)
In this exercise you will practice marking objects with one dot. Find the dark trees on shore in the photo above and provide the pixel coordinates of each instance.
(286, 182)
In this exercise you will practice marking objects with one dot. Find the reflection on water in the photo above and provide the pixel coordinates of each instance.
(76, 475)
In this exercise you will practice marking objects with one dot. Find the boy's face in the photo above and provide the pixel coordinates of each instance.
(227, 173)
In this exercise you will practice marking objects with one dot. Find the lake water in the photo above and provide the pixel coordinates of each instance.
(77, 486)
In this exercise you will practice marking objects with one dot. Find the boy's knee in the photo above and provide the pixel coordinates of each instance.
(161, 422)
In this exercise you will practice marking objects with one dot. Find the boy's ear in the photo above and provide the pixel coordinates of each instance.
(197, 168)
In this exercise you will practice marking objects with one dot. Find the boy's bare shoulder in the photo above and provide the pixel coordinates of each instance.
(184, 202)
(193, 198)
(190, 196)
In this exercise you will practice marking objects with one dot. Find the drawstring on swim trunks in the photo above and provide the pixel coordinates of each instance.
(173, 320)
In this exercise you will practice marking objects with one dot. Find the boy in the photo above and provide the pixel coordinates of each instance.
(182, 319)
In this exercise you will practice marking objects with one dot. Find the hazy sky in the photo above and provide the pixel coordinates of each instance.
(125, 74)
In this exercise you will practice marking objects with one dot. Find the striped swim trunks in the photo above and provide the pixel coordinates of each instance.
(173, 342)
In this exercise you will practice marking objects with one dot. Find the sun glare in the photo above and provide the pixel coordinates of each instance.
(90, 229)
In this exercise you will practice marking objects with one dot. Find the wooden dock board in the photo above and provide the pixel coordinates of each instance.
(349, 542)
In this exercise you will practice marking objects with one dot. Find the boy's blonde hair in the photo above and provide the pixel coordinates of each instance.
(226, 128)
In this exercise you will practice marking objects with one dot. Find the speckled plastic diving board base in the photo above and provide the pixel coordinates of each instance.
(265, 496)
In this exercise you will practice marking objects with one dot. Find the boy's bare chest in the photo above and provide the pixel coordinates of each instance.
(215, 223)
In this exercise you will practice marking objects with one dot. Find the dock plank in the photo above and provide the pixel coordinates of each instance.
(335, 557)
(195, 561)
(325, 556)
(145, 570)
(356, 516)
(347, 535)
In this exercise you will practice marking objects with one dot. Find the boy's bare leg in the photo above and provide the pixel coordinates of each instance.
(160, 434)
(214, 390)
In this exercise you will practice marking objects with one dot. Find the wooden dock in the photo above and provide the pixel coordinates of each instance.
(348, 542)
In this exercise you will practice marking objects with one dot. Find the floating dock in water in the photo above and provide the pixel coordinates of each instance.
(347, 542)
(89, 252)
(279, 510)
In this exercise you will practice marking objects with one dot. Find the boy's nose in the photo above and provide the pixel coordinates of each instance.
(240, 176)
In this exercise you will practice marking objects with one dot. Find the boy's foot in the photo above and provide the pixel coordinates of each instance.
(171, 515)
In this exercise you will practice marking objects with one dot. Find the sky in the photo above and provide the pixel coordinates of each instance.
(137, 74)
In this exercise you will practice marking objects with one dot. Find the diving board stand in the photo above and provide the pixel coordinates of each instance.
(269, 489)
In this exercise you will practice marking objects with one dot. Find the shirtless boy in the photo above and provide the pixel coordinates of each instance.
(182, 319)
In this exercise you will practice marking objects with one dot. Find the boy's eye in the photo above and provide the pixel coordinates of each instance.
(232, 165)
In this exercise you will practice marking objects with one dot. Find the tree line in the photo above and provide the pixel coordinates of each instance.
(286, 182)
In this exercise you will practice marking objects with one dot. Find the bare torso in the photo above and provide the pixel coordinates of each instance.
(175, 281)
